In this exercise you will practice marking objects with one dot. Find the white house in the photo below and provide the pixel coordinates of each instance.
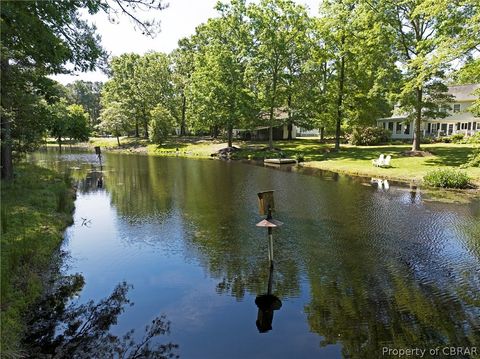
(459, 119)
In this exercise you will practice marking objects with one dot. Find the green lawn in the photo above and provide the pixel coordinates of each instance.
(357, 160)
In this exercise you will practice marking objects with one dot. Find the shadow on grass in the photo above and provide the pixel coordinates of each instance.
(449, 156)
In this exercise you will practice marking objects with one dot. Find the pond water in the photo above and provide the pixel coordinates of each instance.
(358, 267)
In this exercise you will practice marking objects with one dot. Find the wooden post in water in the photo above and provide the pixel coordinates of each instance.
(99, 154)
(267, 303)
(266, 206)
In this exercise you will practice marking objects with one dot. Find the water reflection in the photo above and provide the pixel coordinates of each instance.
(62, 328)
(267, 303)
(360, 267)
(381, 184)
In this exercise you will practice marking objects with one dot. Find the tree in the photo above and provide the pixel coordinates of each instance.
(87, 94)
(113, 120)
(138, 84)
(120, 88)
(220, 96)
(275, 26)
(296, 74)
(357, 62)
(78, 128)
(161, 124)
(38, 38)
(153, 86)
(470, 73)
(68, 122)
(313, 92)
(58, 121)
(182, 61)
(430, 36)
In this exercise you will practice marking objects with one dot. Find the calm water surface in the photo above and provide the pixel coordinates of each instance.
(357, 267)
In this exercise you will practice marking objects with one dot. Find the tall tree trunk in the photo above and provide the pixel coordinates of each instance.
(145, 124)
(290, 122)
(214, 131)
(137, 132)
(6, 157)
(417, 135)
(270, 131)
(230, 135)
(6, 135)
(341, 80)
(322, 134)
(272, 108)
(118, 141)
(184, 108)
(59, 139)
(290, 131)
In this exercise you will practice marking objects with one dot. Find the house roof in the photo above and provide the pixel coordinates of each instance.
(393, 118)
(464, 92)
(278, 114)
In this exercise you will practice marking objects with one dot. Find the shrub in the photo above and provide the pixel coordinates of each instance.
(427, 140)
(446, 178)
(161, 124)
(300, 157)
(473, 159)
(457, 138)
(369, 136)
(473, 139)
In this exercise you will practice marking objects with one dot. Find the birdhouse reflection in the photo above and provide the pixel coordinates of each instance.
(267, 304)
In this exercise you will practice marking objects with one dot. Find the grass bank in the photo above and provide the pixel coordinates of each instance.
(357, 160)
(352, 160)
(36, 208)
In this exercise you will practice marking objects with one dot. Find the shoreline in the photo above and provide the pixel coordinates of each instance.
(37, 208)
(329, 165)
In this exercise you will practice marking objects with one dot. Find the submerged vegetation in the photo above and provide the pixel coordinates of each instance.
(37, 205)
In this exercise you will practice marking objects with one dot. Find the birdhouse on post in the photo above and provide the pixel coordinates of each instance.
(98, 152)
(267, 303)
(266, 206)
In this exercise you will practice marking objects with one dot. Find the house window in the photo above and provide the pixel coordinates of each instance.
(407, 129)
(469, 126)
(443, 128)
(474, 126)
(429, 127)
(464, 126)
(456, 107)
(390, 126)
(398, 130)
(458, 126)
(434, 127)
(444, 108)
